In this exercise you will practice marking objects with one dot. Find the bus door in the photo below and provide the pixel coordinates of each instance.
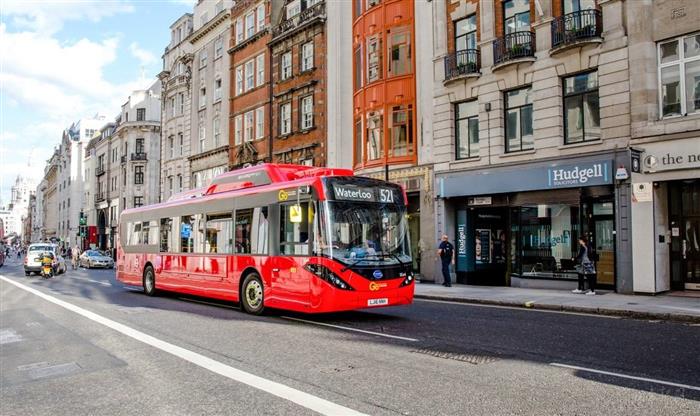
(217, 243)
(287, 275)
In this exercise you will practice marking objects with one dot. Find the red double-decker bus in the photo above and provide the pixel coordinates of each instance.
(283, 236)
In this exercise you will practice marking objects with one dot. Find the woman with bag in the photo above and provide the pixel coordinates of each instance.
(585, 267)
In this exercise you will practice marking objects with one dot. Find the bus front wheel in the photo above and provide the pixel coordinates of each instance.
(149, 281)
(252, 295)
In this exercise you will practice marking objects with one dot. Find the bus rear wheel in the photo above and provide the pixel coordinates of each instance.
(252, 295)
(149, 281)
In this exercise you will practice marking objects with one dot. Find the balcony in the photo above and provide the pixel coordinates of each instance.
(138, 156)
(462, 63)
(575, 28)
(514, 47)
(123, 159)
(306, 17)
(100, 197)
(99, 171)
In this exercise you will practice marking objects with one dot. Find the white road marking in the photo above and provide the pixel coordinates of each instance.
(379, 334)
(299, 397)
(517, 308)
(609, 373)
(9, 335)
(99, 282)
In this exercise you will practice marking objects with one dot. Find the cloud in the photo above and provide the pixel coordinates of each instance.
(145, 57)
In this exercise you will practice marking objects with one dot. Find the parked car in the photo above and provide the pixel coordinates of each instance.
(94, 258)
(32, 260)
(2, 255)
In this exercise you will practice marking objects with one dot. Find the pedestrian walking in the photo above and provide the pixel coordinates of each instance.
(75, 257)
(585, 267)
(446, 253)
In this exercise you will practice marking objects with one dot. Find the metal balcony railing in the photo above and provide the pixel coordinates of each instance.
(99, 171)
(463, 62)
(513, 46)
(138, 156)
(576, 26)
(315, 11)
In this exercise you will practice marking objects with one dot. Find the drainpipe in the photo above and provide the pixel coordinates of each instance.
(269, 89)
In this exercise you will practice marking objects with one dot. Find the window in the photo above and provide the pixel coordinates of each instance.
(285, 118)
(260, 66)
(571, 6)
(307, 56)
(239, 79)
(261, 231)
(260, 16)
(171, 107)
(467, 129)
(140, 147)
(138, 201)
(401, 131)
(399, 47)
(134, 233)
(358, 66)
(187, 224)
(216, 128)
(465, 33)
(218, 237)
(519, 120)
(259, 122)
(166, 225)
(286, 67)
(202, 97)
(202, 135)
(294, 236)
(219, 7)
(170, 186)
(357, 10)
(218, 48)
(358, 141)
(249, 24)
(248, 126)
(581, 110)
(679, 76)
(307, 112)
(249, 75)
(516, 15)
(179, 183)
(202, 58)
(138, 175)
(203, 19)
(243, 228)
(182, 102)
(374, 58)
(293, 8)
(239, 30)
(217, 89)
(375, 135)
(140, 114)
(182, 143)
(372, 3)
(238, 129)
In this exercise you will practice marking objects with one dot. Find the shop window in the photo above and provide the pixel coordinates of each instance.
(375, 135)
(516, 16)
(401, 131)
(679, 75)
(374, 58)
(519, 120)
(218, 237)
(399, 47)
(467, 129)
(244, 221)
(581, 109)
(294, 229)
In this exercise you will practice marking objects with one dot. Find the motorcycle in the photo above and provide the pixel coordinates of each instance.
(47, 267)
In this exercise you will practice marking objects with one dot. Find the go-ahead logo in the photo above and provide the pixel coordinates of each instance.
(282, 195)
(374, 286)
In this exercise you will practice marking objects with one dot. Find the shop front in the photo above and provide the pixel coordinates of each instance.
(666, 216)
(519, 226)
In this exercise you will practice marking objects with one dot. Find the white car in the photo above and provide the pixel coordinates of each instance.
(32, 261)
(95, 258)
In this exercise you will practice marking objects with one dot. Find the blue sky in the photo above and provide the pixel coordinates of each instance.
(61, 61)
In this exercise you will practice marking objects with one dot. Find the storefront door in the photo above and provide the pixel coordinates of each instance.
(685, 235)
(414, 229)
(599, 227)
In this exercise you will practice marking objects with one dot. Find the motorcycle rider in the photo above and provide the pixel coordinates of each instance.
(47, 261)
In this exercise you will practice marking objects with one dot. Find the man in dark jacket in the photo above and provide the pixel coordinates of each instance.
(446, 252)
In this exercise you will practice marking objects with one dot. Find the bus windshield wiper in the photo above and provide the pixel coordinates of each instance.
(355, 263)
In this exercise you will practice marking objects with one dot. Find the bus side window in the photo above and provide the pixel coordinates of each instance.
(129, 234)
(261, 225)
(153, 233)
(144, 233)
(198, 231)
(218, 233)
(135, 234)
(294, 236)
(166, 225)
(244, 224)
(187, 234)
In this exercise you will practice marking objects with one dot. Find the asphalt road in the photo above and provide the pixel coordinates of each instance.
(107, 349)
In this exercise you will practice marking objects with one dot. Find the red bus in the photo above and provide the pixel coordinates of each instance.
(282, 236)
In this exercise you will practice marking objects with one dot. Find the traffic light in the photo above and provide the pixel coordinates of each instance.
(83, 218)
(83, 231)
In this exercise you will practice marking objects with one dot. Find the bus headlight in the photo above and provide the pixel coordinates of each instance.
(324, 273)
(407, 280)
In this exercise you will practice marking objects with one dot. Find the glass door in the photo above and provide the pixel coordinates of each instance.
(599, 227)
(685, 235)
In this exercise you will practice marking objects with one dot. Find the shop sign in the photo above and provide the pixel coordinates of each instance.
(672, 155)
(480, 200)
(577, 175)
(642, 192)
(461, 262)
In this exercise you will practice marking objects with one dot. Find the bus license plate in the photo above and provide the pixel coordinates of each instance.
(377, 302)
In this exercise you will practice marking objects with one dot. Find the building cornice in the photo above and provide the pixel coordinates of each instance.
(208, 153)
(211, 25)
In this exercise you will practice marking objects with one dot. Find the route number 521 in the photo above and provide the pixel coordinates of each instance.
(386, 195)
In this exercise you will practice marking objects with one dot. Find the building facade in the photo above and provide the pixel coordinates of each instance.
(392, 109)
(209, 145)
(531, 124)
(176, 109)
(664, 62)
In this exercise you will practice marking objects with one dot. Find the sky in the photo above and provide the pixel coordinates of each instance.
(62, 61)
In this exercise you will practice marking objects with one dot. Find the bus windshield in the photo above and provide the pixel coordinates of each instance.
(364, 233)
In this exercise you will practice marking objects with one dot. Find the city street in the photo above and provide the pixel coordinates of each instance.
(82, 343)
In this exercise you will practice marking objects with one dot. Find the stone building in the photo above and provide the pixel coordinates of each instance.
(531, 123)
(48, 188)
(392, 108)
(106, 168)
(209, 147)
(664, 67)
(176, 109)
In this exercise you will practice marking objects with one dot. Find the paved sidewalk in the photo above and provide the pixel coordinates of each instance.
(667, 307)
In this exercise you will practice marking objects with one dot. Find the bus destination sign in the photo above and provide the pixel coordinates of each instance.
(366, 194)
